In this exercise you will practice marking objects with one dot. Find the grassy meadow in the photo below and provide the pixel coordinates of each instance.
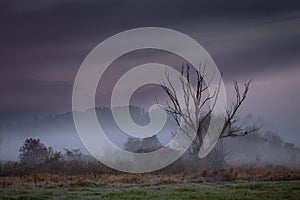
(232, 183)
(208, 190)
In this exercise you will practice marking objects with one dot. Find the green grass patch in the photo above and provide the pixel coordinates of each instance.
(223, 190)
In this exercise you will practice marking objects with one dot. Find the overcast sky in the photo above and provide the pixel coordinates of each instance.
(42, 44)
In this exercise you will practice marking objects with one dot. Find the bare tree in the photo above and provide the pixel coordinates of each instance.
(204, 104)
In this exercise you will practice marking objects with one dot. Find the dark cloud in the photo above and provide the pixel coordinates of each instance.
(27, 97)
(263, 56)
(44, 23)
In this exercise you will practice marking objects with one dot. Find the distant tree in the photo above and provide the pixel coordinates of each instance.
(73, 154)
(33, 151)
(273, 138)
(149, 144)
(132, 144)
(54, 161)
(54, 156)
(145, 145)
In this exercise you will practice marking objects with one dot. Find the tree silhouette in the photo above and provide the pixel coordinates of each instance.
(33, 151)
(145, 145)
(204, 104)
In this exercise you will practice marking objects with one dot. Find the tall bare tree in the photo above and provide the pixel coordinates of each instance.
(204, 104)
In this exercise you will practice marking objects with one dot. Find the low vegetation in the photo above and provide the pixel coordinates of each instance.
(216, 190)
(43, 173)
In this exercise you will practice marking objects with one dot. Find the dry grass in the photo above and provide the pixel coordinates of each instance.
(46, 180)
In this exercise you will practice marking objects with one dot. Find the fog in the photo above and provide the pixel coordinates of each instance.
(260, 148)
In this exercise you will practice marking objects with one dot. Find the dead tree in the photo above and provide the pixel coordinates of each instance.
(204, 103)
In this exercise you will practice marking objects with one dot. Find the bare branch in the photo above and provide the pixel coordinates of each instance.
(201, 98)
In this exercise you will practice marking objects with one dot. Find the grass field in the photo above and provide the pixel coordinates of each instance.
(216, 190)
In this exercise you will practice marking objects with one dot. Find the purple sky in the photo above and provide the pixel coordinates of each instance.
(42, 44)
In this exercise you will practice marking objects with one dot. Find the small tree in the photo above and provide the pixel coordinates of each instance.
(54, 161)
(73, 155)
(33, 151)
(54, 156)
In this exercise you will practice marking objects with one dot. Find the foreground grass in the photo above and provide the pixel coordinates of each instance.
(220, 190)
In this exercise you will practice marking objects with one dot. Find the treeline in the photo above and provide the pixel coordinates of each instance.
(35, 157)
(255, 150)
